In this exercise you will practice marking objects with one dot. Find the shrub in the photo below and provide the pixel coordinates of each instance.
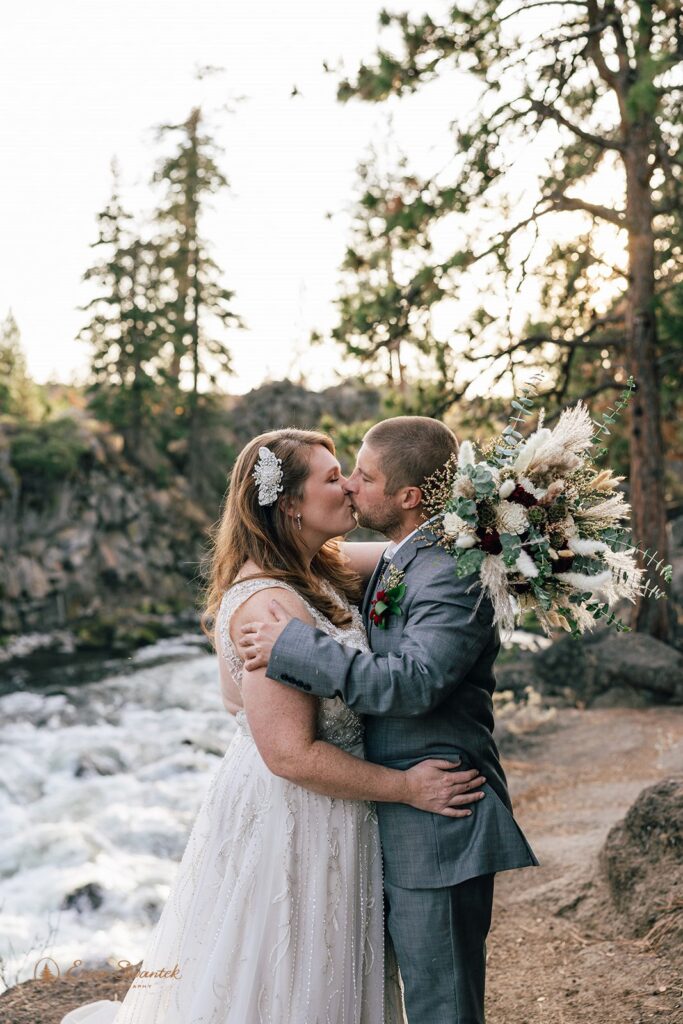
(47, 452)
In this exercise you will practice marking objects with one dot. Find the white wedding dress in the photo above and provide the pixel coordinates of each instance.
(275, 915)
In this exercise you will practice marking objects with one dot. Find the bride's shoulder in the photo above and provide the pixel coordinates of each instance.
(252, 594)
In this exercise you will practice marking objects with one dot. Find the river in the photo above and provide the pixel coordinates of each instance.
(100, 781)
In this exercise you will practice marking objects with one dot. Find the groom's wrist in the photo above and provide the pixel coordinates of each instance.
(282, 665)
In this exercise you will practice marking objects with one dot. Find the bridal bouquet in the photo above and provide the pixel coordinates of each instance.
(542, 526)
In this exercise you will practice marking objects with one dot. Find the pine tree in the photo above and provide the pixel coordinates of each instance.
(199, 309)
(387, 288)
(128, 329)
(577, 90)
(19, 395)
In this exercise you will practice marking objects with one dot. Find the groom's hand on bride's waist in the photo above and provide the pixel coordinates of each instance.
(257, 639)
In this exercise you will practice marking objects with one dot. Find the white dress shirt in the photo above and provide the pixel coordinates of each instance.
(392, 547)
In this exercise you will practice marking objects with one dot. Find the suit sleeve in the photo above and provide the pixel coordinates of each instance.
(441, 641)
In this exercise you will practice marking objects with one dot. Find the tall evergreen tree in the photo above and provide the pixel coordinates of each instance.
(596, 85)
(19, 395)
(199, 309)
(127, 330)
(388, 287)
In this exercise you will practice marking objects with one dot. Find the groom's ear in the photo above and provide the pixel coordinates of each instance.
(412, 497)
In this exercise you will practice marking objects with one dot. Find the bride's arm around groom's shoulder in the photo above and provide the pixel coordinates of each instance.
(363, 556)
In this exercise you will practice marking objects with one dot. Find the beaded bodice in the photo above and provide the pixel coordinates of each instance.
(337, 723)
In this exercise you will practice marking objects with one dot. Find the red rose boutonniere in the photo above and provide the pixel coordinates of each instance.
(387, 602)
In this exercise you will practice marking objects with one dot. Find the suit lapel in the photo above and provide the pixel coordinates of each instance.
(371, 587)
(402, 559)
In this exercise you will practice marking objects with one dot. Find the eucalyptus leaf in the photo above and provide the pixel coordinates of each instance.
(467, 510)
(480, 476)
(470, 561)
(512, 545)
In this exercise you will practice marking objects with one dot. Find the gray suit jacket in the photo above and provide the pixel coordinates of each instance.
(426, 691)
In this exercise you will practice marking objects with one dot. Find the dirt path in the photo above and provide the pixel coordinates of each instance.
(557, 951)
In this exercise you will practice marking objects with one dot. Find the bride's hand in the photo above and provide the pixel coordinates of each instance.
(434, 786)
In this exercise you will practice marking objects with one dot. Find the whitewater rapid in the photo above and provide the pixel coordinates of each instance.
(99, 787)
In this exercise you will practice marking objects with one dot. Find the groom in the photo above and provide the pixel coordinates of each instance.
(426, 691)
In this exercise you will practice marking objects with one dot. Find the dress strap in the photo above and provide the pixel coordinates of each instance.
(237, 594)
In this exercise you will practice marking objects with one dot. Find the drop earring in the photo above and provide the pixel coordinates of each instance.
(298, 519)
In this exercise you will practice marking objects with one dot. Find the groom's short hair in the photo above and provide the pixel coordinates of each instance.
(410, 449)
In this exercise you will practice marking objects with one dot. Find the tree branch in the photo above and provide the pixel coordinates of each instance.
(579, 341)
(594, 50)
(547, 111)
(561, 201)
(541, 3)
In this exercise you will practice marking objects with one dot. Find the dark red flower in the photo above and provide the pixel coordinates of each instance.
(522, 497)
(381, 594)
(490, 541)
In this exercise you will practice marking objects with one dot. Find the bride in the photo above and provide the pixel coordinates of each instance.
(275, 915)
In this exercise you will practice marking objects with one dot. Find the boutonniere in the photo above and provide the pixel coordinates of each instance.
(387, 601)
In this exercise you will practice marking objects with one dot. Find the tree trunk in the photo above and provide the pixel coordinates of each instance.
(646, 446)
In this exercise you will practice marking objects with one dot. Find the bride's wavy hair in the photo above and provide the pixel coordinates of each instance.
(267, 535)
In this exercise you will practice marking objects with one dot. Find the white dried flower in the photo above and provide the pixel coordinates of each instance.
(453, 525)
(511, 518)
(560, 448)
(466, 540)
(531, 488)
(493, 576)
(582, 581)
(466, 454)
(574, 430)
(526, 565)
(506, 488)
(626, 573)
(553, 457)
(463, 488)
(529, 448)
(582, 546)
(613, 508)
(268, 476)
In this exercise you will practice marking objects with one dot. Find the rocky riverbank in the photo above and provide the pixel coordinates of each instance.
(98, 553)
(102, 559)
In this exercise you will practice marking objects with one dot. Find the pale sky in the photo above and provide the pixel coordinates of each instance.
(84, 80)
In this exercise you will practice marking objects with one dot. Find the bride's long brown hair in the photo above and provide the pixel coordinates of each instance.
(265, 533)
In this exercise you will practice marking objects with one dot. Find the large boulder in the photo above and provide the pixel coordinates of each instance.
(607, 668)
(642, 861)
